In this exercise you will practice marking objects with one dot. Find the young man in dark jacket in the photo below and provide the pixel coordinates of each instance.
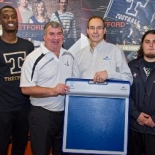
(142, 99)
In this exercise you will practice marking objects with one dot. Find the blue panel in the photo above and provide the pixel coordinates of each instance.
(95, 123)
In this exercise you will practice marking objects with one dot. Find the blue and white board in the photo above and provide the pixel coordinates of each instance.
(96, 117)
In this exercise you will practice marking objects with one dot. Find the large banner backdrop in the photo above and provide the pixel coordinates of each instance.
(126, 20)
(38, 12)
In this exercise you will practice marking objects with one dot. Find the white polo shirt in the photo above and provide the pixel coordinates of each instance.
(105, 56)
(47, 72)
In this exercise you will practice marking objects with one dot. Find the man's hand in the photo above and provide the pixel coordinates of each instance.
(100, 76)
(142, 119)
(149, 122)
(61, 89)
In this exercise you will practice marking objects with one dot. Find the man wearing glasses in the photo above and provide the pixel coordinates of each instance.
(100, 60)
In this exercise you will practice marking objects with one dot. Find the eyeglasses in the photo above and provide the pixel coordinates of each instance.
(99, 28)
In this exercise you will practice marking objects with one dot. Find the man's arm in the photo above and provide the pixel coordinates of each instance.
(141, 117)
(133, 111)
(149, 122)
(122, 70)
(40, 92)
(100, 76)
(75, 70)
(29, 86)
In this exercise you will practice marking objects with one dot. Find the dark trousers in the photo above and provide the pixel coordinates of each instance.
(15, 125)
(141, 144)
(45, 131)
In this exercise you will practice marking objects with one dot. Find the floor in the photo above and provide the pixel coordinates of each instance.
(27, 152)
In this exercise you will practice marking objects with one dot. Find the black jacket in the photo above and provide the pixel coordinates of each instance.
(142, 96)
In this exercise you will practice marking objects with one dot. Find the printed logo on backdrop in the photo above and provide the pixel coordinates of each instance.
(33, 31)
(137, 14)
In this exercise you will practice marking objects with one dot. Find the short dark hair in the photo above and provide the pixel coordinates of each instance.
(140, 52)
(66, 1)
(53, 24)
(94, 17)
(7, 6)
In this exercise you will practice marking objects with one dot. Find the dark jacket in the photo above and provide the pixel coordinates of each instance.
(142, 96)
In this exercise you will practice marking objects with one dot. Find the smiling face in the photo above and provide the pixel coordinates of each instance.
(148, 46)
(53, 38)
(40, 8)
(95, 31)
(24, 3)
(63, 5)
(9, 20)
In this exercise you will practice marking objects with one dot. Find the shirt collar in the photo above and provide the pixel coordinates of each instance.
(44, 49)
(99, 46)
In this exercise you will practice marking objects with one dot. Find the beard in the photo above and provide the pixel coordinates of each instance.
(150, 55)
